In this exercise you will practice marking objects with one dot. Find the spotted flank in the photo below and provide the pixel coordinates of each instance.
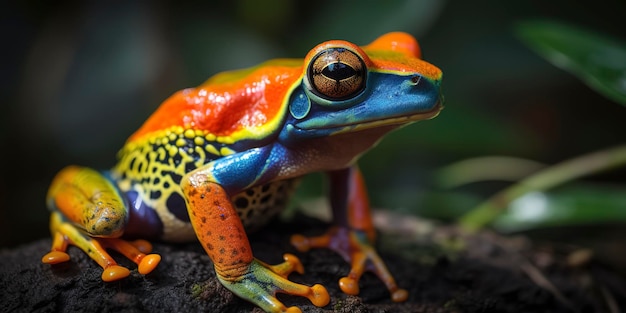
(150, 171)
(257, 205)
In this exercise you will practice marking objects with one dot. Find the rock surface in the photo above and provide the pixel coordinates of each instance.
(484, 277)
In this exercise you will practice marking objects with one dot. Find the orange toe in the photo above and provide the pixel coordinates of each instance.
(148, 263)
(55, 257)
(114, 272)
(320, 296)
(349, 285)
(294, 262)
(399, 295)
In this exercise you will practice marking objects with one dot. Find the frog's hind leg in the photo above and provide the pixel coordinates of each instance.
(89, 213)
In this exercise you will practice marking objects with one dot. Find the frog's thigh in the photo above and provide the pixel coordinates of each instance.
(88, 199)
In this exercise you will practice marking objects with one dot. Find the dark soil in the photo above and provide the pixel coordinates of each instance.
(442, 272)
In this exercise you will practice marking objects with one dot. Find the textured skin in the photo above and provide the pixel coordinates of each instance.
(152, 167)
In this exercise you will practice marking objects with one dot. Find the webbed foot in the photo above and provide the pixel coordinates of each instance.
(66, 234)
(260, 282)
(355, 247)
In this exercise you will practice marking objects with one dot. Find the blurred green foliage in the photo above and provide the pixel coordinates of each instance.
(572, 205)
(601, 63)
(595, 59)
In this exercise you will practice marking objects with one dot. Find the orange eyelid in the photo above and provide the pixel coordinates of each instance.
(338, 43)
(398, 42)
(400, 53)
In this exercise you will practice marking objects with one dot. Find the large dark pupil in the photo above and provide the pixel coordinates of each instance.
(338, 71)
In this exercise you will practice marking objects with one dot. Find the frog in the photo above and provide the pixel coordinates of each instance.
(215, 162)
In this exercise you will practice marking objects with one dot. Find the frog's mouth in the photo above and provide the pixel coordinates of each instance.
(399, 120)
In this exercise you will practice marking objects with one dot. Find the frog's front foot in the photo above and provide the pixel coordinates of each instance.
(355, 247)
(260, 282)
(66, 234)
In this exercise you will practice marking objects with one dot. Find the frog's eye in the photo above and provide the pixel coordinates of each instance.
(336, 74)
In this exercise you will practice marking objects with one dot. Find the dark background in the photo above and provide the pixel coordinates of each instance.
(78, 78)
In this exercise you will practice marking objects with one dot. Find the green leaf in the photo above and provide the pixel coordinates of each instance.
(597, 60)
(545, 179)
(568, 206)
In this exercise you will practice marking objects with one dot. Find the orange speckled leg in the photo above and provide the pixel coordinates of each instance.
(81, 197)
(222, 235)
(354, 236)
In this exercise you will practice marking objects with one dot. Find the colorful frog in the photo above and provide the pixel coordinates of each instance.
(221, 159)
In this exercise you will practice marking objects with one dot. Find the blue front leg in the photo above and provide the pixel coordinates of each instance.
(240, 171)
(208, 191)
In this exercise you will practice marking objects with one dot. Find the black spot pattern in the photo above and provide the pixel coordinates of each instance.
(176, 205)
(154, 168)
(155, 194)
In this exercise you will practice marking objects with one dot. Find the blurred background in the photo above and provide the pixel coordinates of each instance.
(79, 77)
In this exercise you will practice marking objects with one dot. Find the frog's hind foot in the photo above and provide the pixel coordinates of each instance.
(67, 234)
